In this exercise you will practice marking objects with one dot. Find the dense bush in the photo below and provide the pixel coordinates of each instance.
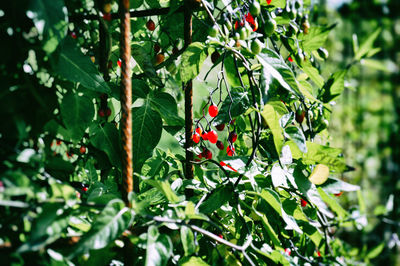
(265, 183)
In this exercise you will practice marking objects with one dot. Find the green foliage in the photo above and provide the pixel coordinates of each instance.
(61, 153)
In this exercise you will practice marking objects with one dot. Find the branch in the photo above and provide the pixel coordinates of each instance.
(214, 162)
(133, 14)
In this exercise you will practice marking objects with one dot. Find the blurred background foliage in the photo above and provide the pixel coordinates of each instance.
(366, 120)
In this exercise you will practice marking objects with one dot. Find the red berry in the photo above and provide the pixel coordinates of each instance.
(290, 59)
(207, 154)
(253, 23)
(232, 121)
(318, 253)
(156, 48)
(339, 194)
(220, 236)
(212, 136)
(196, 138)
(237, 24)
(220, 127)
(220, 145)
(205, 135)
(107, 16)
(73, 35)
(82, 149)
(213, 110)
(58, 142)
(200, 155)
(303, 203)
(230, 150)
(159, 59)
(232, 137)
(101, 113)
(108, 112)
(119, 62)
(288, 251)
(199, 130)
(151, 26)
(84, 189)
(214, 57)
(269, 2)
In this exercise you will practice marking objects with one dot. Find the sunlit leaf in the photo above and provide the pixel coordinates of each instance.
(192, 60)
(108, 225)
(74, 66)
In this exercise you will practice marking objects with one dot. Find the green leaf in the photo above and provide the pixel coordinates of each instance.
(165, 188)
(307, 90)
(278, 69)
(74, 66)
(272, 118)
(238, 105)
(312, 232)
(146, 133)
(62, 191)
(332, 203)
(272, 198)
(278, 176)
(192, 60)
(315, 38)
(333, 87)
(51, 20)
(135, 3)
(333, 185)
(297, 136)
(375, 251)
(292, 207)
(367, 45)
(166, 106)
(159, 247)
(231, 72)
(317, 153)
(143, 59)
(47, 228)
(312, 73)
(270, 231)
(274, 3)
(192, 261)
(107, 139)
(113, 220)
(187, 239)
(378, 65)
(77, 113)
(218, 197)
(279, 107)
(140, 89)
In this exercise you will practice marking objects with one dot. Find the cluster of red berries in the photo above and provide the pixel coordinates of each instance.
(69, 152)
(249, 19)
(212, 136)
(104, 110)
(159, 57)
